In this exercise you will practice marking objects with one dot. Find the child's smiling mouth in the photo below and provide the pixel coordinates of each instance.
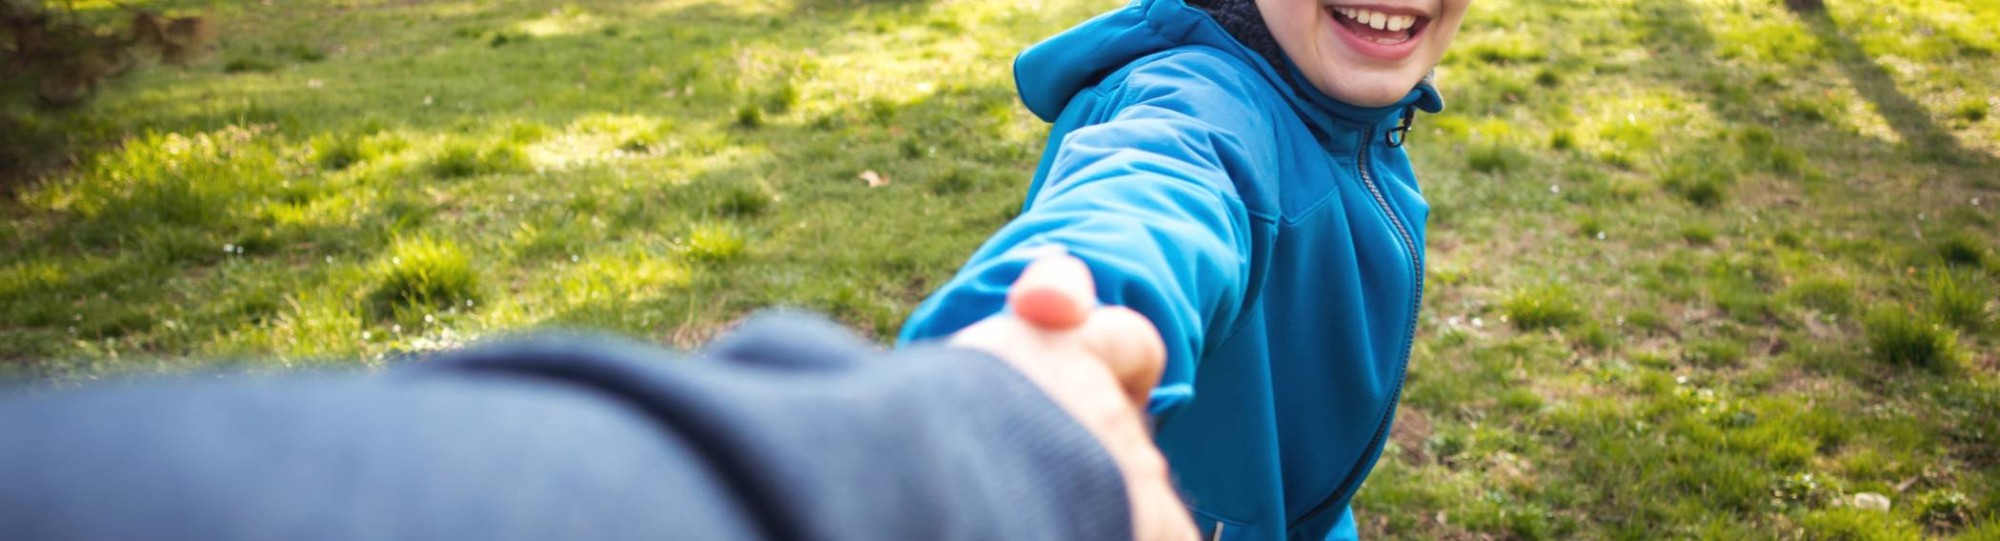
(1383, 33)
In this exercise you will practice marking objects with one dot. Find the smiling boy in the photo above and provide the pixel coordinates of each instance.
(1233, 170)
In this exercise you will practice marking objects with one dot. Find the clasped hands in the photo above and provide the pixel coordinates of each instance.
(1099, 364)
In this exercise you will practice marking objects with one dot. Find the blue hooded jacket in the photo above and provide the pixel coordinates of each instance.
(1274, 235)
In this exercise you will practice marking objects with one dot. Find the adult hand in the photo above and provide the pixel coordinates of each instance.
(1099, 364)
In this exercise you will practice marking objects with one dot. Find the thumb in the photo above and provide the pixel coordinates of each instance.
(1054, 293)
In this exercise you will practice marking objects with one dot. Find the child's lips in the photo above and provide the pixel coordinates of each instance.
(1388, 40)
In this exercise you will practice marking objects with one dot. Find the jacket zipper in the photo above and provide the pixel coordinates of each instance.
(1409, 338)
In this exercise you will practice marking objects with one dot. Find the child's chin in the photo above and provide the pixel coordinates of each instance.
(1367, 90)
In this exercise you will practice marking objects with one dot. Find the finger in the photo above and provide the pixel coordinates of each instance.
(1158, 513)
(1054, 293)
(1130, 346)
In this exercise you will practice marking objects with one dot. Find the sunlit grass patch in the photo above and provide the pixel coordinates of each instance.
(1897, 337)
(1698, 233)
(750, 115)
(629, 275)
(1943, 510)
(1562, 139)
(1958, 301)
(742, 200)
(1740, 287)
(1495, 157)
(462, 158)
(1542, 307)
(425, 272)
(201, 179)
(1807, 110)
(1961, 250)
(1829, 295)
(1850, 523)
(1715, 353)
(714, 242)
(596, 140)
(335, 152)
(562, 21)
(249, 65)
(1760, 149)
(1972, 109)
(1700, 180)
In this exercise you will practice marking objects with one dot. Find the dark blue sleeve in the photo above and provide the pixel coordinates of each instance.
(789, 429)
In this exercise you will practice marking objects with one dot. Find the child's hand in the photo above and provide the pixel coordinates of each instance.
(1099, 364)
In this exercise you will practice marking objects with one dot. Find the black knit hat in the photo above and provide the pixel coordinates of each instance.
(1244, 22)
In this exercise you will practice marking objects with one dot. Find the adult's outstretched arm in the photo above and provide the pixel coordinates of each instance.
(789, 429)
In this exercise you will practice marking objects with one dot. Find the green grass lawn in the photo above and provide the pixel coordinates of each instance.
(1700, 268)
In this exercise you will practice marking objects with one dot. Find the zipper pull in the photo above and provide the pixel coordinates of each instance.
(1401, 132)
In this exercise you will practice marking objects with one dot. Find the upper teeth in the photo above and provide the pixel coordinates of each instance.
(1378, 20)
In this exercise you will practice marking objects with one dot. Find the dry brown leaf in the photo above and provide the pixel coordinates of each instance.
(875, 180)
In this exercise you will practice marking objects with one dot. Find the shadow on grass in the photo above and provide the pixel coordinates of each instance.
(1910, 120)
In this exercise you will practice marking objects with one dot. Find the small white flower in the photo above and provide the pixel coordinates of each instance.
(1555, 188)
(427, 101)
(468, 303)
(1975, 201)
(429, 319)
(77, 317)
(1600, 235)
(365, 335)
(314, 83)
(1478, 322)
(329, 260)
(397, 328)
(395, 261)
(573, 258)
(1680, 380)
(228, 248)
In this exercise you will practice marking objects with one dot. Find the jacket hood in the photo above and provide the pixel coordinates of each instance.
(1048, 74)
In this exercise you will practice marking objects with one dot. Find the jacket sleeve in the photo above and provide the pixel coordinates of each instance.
(1146, 198)
(790, 430)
